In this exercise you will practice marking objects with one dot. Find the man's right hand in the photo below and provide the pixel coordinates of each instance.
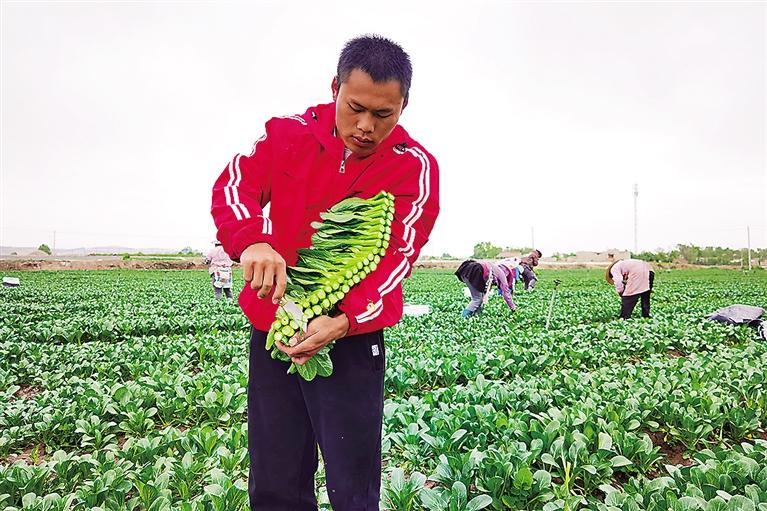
(265, 269)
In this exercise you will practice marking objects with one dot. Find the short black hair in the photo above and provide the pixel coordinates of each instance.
(381, 58)
(540, 254)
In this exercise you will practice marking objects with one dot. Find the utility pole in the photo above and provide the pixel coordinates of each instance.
(532, 237)
(636, 195)
(748, 235)
(53, 252)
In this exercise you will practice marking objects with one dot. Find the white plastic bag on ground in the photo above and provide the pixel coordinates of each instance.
(737, 314)
(11, 282)
(415, 309)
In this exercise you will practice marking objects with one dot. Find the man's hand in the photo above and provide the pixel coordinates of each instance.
(265, 269)
(321, 331)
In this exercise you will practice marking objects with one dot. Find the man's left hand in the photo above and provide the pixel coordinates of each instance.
(320, 332)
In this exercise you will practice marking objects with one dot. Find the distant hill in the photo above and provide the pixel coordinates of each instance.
(84, 251)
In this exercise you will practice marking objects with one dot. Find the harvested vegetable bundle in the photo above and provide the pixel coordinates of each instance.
(347, 246)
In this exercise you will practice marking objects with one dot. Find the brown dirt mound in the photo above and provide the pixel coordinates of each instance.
(101, 264)
(27, 391)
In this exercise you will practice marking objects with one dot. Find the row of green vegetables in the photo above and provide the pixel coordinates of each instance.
(75, 329)
(719, 480)
(60, 307)
(89, 411)
(428, 352)
(175, 380)
(111, 306)
(498, 412)
(585, 429)
(579, 432)
(48, 366)
(464, 352)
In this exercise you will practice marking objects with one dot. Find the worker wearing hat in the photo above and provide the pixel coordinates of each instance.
(633, 280)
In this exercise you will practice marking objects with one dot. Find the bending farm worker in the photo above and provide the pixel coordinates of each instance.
(529, 262)
(303, 165)
(633, 280)
(525, 267)
(479, 277)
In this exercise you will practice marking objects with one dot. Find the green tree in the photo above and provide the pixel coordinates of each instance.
(521, 250)
(706, 256)
(689, 253)
(44, 248)
(660, 256)
(486, 250)
(559, 256)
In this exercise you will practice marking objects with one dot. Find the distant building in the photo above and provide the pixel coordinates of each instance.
(607, 256)
(36, 253)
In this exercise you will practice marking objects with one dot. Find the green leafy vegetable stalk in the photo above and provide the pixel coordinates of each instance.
(348, 245)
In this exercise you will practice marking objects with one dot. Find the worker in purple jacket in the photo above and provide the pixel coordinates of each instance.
(479, 277)
(525, 267)
(633, 280)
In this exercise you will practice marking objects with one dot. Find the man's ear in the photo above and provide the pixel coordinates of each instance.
(334, 87)
(404, 103)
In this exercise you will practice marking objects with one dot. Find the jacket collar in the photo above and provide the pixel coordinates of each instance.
(321, 120)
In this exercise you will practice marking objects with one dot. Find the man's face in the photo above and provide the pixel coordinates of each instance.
(366, 111)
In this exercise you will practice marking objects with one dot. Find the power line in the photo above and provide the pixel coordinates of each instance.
(636, 196)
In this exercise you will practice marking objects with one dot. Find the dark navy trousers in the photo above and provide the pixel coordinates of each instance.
(289, 417)
(629, 302)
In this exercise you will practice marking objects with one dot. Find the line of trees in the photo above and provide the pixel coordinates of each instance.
(707, 256)
(186, 251)
(486, 250)
(691, 254)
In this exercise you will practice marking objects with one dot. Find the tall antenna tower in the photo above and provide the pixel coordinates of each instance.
(636, 196)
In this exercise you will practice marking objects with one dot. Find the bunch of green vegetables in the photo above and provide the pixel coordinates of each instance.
(348, 245)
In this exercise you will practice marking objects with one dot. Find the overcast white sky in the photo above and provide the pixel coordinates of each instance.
(116, 118)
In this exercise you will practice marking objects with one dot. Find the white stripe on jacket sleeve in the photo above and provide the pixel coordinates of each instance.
(399, 272)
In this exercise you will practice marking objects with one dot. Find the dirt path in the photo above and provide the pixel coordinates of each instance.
(101, 263)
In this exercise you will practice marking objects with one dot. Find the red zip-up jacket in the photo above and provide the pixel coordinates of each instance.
(298, 168)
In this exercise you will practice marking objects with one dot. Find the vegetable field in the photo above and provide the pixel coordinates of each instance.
(126, 390)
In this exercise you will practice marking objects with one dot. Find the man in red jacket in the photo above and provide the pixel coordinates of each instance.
(301, 166)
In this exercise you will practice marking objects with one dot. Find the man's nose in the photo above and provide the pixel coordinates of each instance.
(366, 124)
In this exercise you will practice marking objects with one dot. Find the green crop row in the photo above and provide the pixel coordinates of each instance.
(126, 390)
